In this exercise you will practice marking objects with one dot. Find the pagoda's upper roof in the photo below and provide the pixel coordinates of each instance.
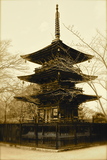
(57, 48)
(53, 73)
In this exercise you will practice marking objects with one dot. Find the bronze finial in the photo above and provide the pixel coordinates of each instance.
(57, 27)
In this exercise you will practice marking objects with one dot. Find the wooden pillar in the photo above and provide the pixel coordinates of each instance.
(42, 134)
(57, 136)
(90, 132)
(75, 133)
(20, 133)
(5, 131)
(36, 133)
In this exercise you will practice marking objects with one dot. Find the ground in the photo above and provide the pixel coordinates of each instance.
(91, 153)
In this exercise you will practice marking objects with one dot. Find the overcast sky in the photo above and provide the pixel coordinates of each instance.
(30, 24)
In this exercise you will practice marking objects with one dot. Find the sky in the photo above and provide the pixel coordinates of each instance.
(30, 24)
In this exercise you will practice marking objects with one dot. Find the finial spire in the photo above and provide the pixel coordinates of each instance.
(57, 27)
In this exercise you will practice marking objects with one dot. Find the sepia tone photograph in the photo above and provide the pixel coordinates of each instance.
(53, 80)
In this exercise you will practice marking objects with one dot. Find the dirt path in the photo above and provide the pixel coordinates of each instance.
(92, 153)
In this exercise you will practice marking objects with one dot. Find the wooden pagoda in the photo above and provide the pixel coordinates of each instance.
(59, 98)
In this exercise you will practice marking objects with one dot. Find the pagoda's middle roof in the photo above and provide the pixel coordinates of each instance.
(56, 48)
(54, 73)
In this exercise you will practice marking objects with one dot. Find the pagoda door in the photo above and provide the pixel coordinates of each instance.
(47, 115)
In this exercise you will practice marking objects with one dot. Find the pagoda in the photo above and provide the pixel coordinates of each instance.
(59, 98)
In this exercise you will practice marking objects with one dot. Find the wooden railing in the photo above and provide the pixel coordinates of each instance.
(53, 135)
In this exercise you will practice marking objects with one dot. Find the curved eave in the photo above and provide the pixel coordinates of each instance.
(86, 98)
(20, 98)
(47, 53)
(26, 99)
(74, 95)
(66, 97)
(52, 75)
(55, 96)
(48, 96)
(77, 56)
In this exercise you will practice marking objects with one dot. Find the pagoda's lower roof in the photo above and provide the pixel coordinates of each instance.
(57, 48)
(55, 73)
(71, 97)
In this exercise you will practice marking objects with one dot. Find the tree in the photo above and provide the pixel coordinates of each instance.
(20, 111)
(99, 118)
(98, 47)
(10, 65)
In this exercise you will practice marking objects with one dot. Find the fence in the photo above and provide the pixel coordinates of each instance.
(53, 135)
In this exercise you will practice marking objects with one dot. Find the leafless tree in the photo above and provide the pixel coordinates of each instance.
(98, 47)
(10, 64)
